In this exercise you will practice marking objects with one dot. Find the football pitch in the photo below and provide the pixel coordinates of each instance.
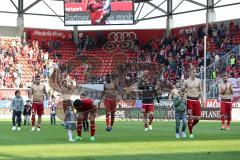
(127, 141)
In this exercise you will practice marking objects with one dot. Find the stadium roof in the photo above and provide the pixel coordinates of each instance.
(149, 14)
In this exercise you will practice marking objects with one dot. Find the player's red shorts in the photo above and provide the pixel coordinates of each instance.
(84, 116)
(148, 107)
(193, 107)
(110, 104)
(226, 107)
(95, 16)
(37, 107)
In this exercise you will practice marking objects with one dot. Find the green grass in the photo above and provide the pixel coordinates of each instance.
(127, 141)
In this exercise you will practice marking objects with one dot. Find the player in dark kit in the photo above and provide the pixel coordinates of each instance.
(84, 107)
(147, 94)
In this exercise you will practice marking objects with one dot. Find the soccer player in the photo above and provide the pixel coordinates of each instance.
(193, 88)
(110, 101)
(96, 8)
(85, 118)
(64, 87)
(147, 94)
(105, 11)
(83, 107)
(37, 91)
(226, 91)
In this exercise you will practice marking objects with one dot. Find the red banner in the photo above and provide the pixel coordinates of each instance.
(143, 36)
(212, 103)
(187, 29)
(47, 34)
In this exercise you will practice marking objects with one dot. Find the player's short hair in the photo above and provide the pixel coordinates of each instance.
(16, 92)
(224, 74)
(37, 76)
(83, 94)
(182, 90)
(77, 104)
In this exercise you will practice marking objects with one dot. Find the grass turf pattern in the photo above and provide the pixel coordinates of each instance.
(127, 141)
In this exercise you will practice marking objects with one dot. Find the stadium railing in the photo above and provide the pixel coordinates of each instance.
(220, 67)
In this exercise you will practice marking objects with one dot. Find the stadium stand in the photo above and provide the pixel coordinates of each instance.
(94, 57)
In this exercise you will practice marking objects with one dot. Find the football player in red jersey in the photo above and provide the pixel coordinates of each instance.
(96, 9)
(83, 107)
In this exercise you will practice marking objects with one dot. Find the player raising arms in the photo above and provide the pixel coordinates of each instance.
(193, 88)
(110, 101)
(65, 89)
(83, 108)
(226, 91)
(36, 93)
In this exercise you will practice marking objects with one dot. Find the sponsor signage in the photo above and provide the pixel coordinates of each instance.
(99, 12)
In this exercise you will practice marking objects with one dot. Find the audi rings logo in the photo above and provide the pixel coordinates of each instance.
(121, 36)
(120, 40)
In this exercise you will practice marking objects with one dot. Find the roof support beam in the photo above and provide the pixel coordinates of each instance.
(178, 6)
(31, 5)
(190, 11)
(217, 2)
(53, 11)
(20, 8)
(154, 9)
(140, 12)
(158, 8)
(14, 4)
(197, 3)
(210, 15)
(169, 22)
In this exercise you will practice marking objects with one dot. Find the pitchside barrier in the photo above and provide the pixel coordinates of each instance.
(131, 110)
(164, 110)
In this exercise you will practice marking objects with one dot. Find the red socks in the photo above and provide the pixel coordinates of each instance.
(195, 121)
(228, 119)
(33, 120)
(190, 125)
(93, 129)
(107, 120)
(145, 120)
(79, 128)
(223, 119)
(151, 119)
(112, 118)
